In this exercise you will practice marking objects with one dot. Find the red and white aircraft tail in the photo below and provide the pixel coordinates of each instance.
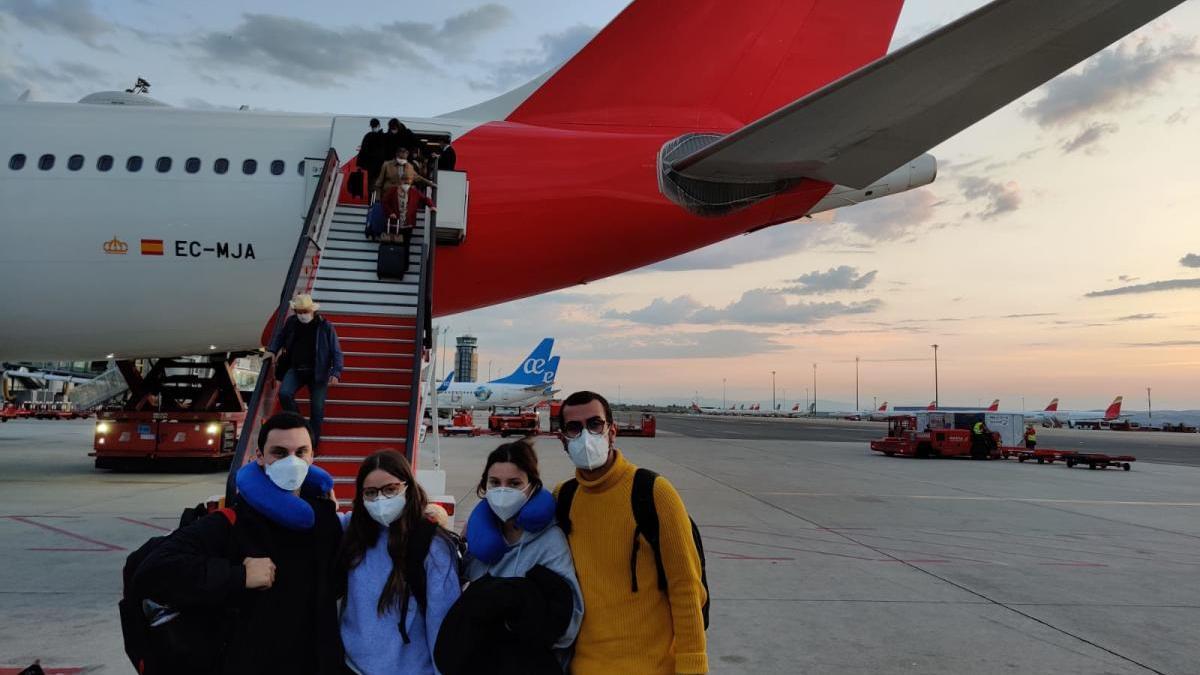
(1114, 409)
(995, 406)
(1053, 407)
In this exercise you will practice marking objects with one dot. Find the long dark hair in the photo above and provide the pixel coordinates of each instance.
(520, 453)
(363, 531)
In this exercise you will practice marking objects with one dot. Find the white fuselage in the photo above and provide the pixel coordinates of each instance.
(227, 238)
(475, 395)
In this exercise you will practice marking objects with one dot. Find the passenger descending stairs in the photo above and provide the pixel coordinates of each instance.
(376, 325)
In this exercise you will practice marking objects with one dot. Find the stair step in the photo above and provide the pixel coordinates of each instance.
(377, 287)
(360, 273)
(340, 469)
(369, 360)
(345, 496)
(373, 330)
(340, 320)
(393, 430)
(397, 302)
(372, 409)
(373, 376)
(352, 445)
(369, 393)
(369, 308)
(362, 345)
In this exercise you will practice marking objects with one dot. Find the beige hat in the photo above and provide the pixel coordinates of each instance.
(303, 302)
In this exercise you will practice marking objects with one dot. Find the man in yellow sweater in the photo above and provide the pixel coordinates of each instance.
(637, 618)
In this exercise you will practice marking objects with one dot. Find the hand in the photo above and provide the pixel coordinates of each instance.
(268, 355)
(333, 381)
(433, 208)
(260, 573)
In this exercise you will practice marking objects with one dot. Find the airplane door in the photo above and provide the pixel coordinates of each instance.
(313, 166)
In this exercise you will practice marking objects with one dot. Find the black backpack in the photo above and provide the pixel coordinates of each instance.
(645, 515)
(158, 638)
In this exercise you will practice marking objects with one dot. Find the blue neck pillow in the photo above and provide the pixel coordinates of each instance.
(278, 505)
(485, 536)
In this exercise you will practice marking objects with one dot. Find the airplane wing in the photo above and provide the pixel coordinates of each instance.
(859, 128)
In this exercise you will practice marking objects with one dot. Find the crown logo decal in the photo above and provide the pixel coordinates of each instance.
(116, 247)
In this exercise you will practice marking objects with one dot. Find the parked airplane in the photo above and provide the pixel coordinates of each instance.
(994, 407)
(172, 208)
(530, 383)
(1092, 418)
(865, 414)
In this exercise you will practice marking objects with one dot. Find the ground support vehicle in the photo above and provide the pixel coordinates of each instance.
(1098, 460)
(513, 421)
(644, 425)
(179, 410)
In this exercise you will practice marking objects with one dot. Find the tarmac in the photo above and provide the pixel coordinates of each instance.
(823, 557)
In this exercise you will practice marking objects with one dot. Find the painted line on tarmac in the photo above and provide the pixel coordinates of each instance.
(106, 547)
(144, 523)
(1030, 500)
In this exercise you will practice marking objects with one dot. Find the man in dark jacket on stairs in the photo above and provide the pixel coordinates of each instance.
(311, 357)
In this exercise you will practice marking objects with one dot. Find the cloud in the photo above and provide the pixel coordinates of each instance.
(553, 50)
(1112, 80)
(74, 18)
(675, 345)
(1029, 316)
(1165, 343)
(661, 312)
(1127, 278)
(760, 306)
(1180, 116)
(843, 278)
(892, 218)
(1088, 137)
(1139, 317)
(1001, 198)
(63, 72)
(309, 53)
(766, 244)
(1190, 260)
(1152, 287)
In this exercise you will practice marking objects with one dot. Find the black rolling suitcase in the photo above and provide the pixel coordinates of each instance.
(393, 254)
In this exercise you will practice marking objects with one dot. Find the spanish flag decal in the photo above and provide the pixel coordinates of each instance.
(152, 247)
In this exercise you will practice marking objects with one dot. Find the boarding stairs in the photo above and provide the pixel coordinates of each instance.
(382, 326)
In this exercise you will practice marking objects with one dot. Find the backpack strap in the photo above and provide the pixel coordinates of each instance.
(562, 509)
(645, 517)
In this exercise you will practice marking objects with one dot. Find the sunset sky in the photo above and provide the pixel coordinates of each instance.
(1057, 255)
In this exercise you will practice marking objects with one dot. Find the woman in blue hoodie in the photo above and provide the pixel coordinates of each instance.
(401, 572)
(512, 530)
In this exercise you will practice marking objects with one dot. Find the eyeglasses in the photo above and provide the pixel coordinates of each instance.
(595, 425)
(387, 491)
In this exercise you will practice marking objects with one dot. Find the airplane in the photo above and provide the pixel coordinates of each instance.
(706, 410)
(1091, 419)
(1047, 417)
(879, 413)
(531, 383)
(638, 136)
(933, 406)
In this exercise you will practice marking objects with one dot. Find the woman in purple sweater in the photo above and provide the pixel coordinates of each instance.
(401, 572)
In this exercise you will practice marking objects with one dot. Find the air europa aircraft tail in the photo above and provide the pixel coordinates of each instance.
(710, 64)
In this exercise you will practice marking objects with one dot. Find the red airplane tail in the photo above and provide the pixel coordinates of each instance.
(882, 408)
(995, 406)
(1114, 409)
(1053, 407)
(932, 405)
(708, 65)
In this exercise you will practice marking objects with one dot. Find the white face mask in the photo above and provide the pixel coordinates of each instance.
(288, 473)
(588, 450)
(506, 502)
(304, 318)
(386, 510)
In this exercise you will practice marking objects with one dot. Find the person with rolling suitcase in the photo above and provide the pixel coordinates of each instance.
(400, 204)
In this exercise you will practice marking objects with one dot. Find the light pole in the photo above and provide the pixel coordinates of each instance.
(874, 404)
(784, 399)
(936, 398)
(856, 383)
(814, 405)
(723, 404)
(1149, 407)
(806, 411)
(772, 392)
(619, 395)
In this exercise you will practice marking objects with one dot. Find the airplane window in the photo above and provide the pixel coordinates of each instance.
(249, 167)
(133, 164)
(46, 162)
(16, 162)
(221, 165)
(277, 167)
(300, 168)
(192, 165)
(75, 163)
(104, 162)
(163, 164)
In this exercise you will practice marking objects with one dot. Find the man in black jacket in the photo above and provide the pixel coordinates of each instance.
(265, 577)
(370, 152)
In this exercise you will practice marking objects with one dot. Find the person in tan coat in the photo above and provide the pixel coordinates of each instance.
(397, 171)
